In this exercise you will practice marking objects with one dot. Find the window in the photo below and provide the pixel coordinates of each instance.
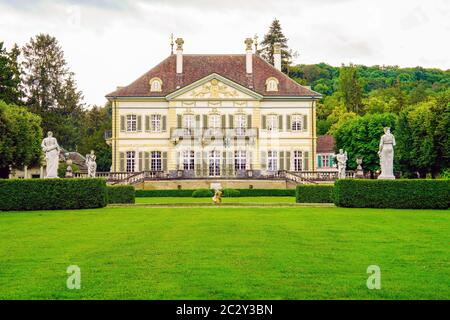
(272, 84)
(272, 123)
(188, 160)
(297, 160)
(325, 161)
(214, 121)
(272, 160)
(155, 164)
(241, 124)
(131, 161)
(296, 123)
(188, 123)
(155, 85)
(156, 123)
(240, 160)
(131, 123)
(214, 163)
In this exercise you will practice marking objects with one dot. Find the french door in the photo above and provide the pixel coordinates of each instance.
(214, 163)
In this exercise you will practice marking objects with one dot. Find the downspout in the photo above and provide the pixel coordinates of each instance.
(115, 135)
(313, 149)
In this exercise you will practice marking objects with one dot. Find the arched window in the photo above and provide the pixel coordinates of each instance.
(155, 85)
(272, 84)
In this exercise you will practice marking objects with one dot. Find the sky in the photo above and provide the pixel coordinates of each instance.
(110, 43)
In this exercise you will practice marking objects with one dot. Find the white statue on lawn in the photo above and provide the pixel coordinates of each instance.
(341, 159)
(91, 164)
(51, 148)
(386, 153)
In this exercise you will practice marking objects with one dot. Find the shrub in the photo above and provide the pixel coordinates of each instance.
(202, 193)
(266, 192)
(311, 193)
(413, 194)
(121, 194)
(231, 193)
(52, 194)
(164, 193)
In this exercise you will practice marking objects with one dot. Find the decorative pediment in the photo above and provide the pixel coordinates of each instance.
(214, 87)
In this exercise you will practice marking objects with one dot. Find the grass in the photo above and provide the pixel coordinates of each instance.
(178, 200)
(225, 253)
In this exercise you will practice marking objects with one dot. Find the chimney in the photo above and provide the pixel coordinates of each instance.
(179, 43)
(248, 56)
(277, 55)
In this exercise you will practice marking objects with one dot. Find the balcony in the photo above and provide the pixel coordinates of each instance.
(177, 134)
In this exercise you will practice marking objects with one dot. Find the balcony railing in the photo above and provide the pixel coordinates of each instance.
(208, 133)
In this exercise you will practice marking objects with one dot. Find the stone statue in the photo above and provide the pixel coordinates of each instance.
(51, 148)
(386, 153)
(359, 170)
(91, 164)
(341, 158)
(217, 199)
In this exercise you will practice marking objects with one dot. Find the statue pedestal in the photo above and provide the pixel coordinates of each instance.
(381, 176)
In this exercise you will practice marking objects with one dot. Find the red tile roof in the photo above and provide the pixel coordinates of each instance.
(196, 67)
(325, 144)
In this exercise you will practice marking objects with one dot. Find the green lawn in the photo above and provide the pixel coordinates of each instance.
(177, 200)
(225, 253)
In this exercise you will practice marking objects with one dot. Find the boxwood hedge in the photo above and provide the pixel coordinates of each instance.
(242, 193)
(52, 194)
(312, 193)
(231, 193)
(164, 193)
(121, 194)
(202, 193)
(412, 194)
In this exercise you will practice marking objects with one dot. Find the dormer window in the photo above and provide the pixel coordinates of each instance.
(272, 84)
(155, 85)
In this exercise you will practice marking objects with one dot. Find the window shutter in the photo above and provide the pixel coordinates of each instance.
(205, 121)
(164, 161)
(230, 163)
(147, 123)
(288, 123)
(281, 160)
(280, 123)
(197, 120)
(331, 161)
(198, 161)
(305, 123)
(179, 121)
(306, 161)
(288, 160)
(205, 163)
(224, 121)
(263, 160)
(139, 123)
(224, 163)
(146, 161)
(231, 121)
(249, 121)
(122, 162)
(264, 120)
(140, 161)
(164, 123)
(319, 161)
(122, 123)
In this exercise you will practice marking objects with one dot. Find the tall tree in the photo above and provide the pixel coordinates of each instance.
(20, 138)
(275, 35)
(9, 75)
(51, 90)
(350, 89)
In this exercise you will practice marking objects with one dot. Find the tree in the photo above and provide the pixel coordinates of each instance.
(20, 138)
(9, 75)
(350, 89)
(360, 137)
(441, 113)
(415, 136)
(275, 35)
(96, 121)
(51, 90)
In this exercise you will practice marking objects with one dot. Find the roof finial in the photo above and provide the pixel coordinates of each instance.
(171, 43)
(255, 38)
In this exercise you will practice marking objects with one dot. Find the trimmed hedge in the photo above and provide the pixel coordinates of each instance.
(164, 193)
(311, 193)
(405, 194)
(231, 193)
(202, 193)
(52, 194)
(121, 194)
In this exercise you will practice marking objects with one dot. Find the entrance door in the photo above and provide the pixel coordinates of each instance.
(214, 163)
